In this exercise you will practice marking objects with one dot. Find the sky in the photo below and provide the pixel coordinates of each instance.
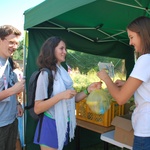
(11, 11)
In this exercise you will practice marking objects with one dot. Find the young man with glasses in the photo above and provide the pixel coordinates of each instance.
(9, 88)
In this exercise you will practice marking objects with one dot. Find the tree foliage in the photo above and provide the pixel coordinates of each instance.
(86, 62)
(18, 55)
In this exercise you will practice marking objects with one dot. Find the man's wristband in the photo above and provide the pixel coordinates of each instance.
(86, 92)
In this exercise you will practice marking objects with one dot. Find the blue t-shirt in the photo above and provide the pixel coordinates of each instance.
(8, 106)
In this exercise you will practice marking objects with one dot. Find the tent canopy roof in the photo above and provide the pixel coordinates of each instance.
(95, 21)
(93, 26)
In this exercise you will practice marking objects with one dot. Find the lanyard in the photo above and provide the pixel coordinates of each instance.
(2, 70)
(5, 82)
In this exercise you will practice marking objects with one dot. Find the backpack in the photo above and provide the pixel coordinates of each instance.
(32, 90)
(31, 96)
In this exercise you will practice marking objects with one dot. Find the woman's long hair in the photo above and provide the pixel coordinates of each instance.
(46, 58)
(141, 26)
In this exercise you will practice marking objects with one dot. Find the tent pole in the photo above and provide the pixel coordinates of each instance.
(24, 93)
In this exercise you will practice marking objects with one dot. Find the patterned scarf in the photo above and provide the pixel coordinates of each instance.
(65, 108)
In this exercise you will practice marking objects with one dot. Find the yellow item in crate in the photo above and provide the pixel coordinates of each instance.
(99, 101)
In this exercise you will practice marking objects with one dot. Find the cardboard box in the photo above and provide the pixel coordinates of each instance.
(123, 129)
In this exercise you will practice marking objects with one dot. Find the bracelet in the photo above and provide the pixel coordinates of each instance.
(86, 92)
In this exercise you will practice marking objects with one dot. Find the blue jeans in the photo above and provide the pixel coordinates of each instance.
(141, 143)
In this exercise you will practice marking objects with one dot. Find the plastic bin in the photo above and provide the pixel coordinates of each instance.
(83, 112)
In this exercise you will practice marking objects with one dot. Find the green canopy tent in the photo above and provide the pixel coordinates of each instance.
(92, 26)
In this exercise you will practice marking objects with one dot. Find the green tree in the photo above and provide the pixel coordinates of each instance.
(86, 62)
(18, 55)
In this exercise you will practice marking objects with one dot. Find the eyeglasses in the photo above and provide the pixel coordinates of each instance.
(12, 43)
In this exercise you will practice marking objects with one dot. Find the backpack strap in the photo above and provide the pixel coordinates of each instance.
(50, 85)
(40, 126)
